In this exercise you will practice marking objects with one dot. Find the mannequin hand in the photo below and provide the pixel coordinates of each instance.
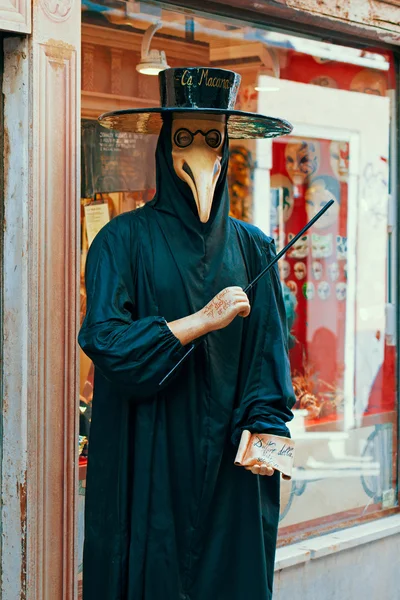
(224, 307)
(261, 470)
(218, 313)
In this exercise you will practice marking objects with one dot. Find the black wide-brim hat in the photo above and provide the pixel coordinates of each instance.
(197, 90)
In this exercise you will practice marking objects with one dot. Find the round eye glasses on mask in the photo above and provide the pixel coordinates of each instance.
(183, 137)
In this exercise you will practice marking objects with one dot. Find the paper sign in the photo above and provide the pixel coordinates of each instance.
(115, 161)
(96, 216)
(264, 449)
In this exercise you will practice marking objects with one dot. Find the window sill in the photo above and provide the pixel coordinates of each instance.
(321, 546)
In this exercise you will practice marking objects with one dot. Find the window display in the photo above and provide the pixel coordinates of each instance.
(343, 363)
(314, 271)
(337, 354)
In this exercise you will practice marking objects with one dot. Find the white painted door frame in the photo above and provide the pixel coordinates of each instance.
(41, 276)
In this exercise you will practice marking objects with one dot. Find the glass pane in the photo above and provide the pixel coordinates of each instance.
(314, 271)
(306, 173)
(341, 472)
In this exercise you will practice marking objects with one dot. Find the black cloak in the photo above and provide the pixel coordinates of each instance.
(168, 515)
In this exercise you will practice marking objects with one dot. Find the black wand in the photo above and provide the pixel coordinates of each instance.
(253, 283)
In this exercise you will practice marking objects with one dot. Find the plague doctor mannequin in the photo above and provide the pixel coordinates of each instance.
(168, 514)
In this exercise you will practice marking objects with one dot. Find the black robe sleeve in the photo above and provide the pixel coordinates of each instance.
(266, 393)
(129, 352)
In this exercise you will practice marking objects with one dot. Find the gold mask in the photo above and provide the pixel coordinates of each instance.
(197, 144)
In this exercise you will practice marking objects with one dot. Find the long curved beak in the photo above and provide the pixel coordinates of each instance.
(200, 169)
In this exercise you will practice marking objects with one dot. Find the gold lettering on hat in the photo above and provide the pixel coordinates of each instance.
(204, 75)
(217, 82)
(186, 78)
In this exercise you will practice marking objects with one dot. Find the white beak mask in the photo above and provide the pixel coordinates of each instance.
(197, 144)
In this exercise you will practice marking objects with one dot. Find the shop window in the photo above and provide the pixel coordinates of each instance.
(334, 280)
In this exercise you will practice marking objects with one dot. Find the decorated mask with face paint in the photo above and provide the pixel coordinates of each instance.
(339, 154)
(197, 144)
(300, 270)
(302, 159)
(300, 248)
(341, 247)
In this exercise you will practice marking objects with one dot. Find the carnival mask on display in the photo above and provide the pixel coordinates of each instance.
(341, 289)
(284, 269)
(300, 248)
(321, 245)
(369, 81)
(318, 194)
(300, 270)
(302, 160)
(341, 247)
(339, 153)
(284, 188)
(324, 290)
(325, 81)
(197, 144)
(308, 290)
(334, 271)
(317, 270)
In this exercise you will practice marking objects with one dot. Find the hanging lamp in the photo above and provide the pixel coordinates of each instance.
(152, 61)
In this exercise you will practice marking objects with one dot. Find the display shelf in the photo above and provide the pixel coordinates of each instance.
(96, 103)
(131, 41)
(337, 423)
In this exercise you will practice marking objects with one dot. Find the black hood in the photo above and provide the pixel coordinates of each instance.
(199, 249)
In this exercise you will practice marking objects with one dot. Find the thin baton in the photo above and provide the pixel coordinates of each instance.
(253, 283)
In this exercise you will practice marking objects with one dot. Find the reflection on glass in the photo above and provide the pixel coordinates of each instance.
(240, 180)
(340, 473)
(313, 273)
(305, 175)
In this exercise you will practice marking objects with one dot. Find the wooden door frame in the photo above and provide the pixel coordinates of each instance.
(377, 24)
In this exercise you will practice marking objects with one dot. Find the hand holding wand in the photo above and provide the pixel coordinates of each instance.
(253, 283)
